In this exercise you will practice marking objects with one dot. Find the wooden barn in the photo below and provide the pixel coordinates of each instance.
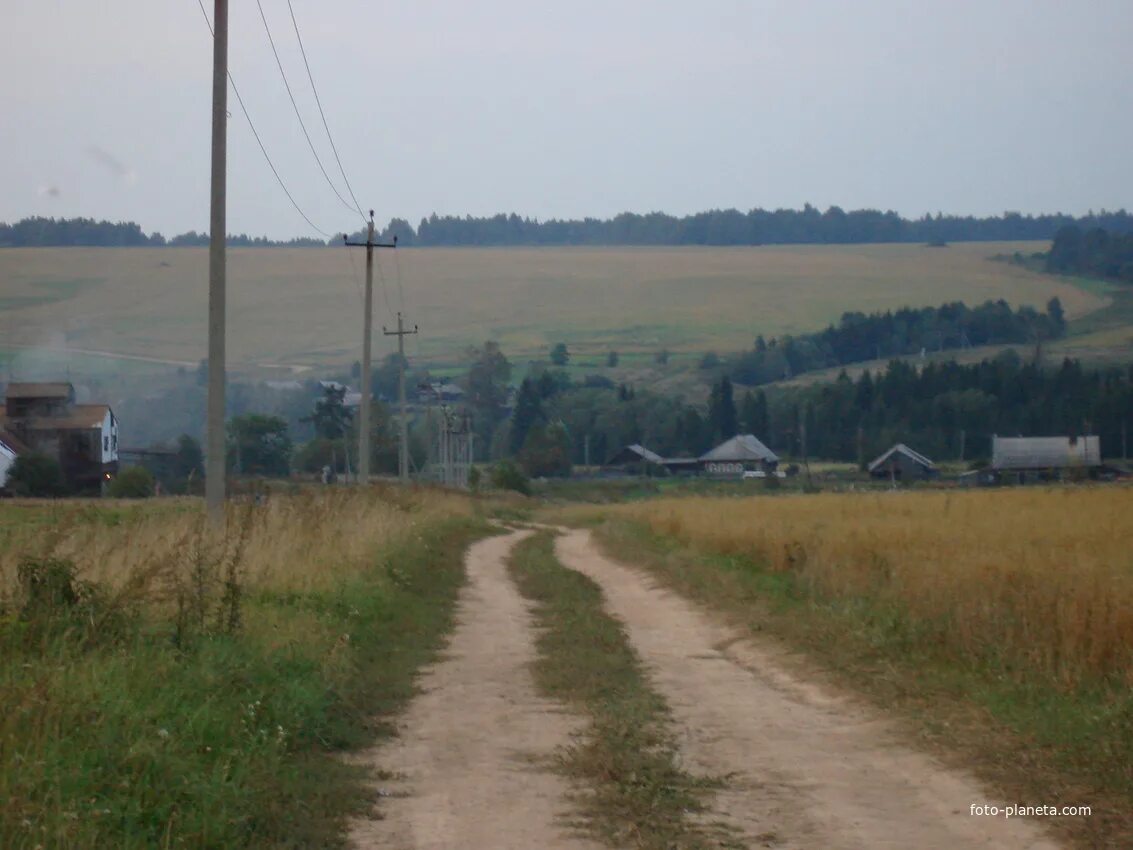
(900, 463)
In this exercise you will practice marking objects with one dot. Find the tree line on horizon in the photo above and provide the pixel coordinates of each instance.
(714, 227)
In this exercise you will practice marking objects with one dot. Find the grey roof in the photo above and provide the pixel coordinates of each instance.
(53, 389)
(742, 447)
(1045, 452)
(901, 448)
(645, 454)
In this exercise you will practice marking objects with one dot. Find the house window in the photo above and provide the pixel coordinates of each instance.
(115, 442)
(106, 444)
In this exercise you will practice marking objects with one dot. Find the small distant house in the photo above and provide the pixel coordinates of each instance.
(10, 449)
(44, 417)
(1044, 457)
(740, 454)
(900, 463)
(444, 391)
(635, 456)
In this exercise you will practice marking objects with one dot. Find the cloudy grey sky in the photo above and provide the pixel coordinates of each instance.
(575, 108)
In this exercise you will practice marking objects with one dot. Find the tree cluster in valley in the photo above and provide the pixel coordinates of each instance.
(1092, 253)
(943, 408)
(859, 337)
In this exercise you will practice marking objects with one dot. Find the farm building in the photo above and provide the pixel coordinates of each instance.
(1027, 458)
(901, 463)
(740, 454)
(634, 457)
(43, 417)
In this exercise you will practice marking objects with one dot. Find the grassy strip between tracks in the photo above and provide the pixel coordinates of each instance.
(636, 793)
(1032, 741)
(143, 725)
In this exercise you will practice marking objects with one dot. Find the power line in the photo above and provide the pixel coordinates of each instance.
(322, 115)
(298, 115)
(259, 141)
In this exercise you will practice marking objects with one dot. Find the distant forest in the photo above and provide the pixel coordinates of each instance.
(716, 227)
(942, 409)
(909, 330)
(1092, 253)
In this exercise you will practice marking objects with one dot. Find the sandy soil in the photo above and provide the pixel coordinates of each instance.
(809, 769)
(471, 756)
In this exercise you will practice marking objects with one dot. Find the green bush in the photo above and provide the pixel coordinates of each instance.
(37, 475)
(506, 475)
(133, 482)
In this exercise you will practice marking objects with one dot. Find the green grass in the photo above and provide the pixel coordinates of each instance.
(636, 795)
(122, 730)
(1029, 740)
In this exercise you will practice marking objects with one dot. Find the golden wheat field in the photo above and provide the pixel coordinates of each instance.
(299, 307)
(1043, 577)
(292, 543)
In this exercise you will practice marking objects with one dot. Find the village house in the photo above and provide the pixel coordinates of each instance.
(742, 453)
(44, 417)
(900, 463)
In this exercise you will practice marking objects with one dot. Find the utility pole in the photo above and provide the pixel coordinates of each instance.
(214, 479)
(364, 417)
(403, 448)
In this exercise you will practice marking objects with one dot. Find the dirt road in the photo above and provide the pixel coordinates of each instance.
(809, 770)
(470, 746)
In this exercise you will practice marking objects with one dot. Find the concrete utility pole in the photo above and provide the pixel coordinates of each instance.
(403, 448)
(364, 411)
(214, 480)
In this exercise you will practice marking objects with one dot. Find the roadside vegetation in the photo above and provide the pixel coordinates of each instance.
(1001, 622)
(164, 687)
(637, 794)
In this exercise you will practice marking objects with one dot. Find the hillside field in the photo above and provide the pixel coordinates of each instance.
(300, 307)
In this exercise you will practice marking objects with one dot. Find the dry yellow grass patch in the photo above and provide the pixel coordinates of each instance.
(293, 542)
(1035, 578)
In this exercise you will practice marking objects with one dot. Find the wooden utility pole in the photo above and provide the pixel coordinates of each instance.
(214, 480)
(403, 448)
(367, 334)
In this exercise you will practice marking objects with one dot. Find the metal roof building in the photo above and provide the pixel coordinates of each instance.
(742, 448)
(1038, 453)
(635, 453)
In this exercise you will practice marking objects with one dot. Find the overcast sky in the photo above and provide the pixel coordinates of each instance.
(568, 109)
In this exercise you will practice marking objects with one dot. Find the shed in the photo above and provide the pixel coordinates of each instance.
(900, 463)
(737, 455)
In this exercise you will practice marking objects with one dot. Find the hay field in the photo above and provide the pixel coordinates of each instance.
(300, 307)
(1033, 579)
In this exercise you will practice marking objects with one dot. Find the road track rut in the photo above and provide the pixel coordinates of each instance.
(809, 769)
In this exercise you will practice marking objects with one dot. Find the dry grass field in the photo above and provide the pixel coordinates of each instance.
(300, 307)
(1037, 578)
(164, 687)
(294, 543)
